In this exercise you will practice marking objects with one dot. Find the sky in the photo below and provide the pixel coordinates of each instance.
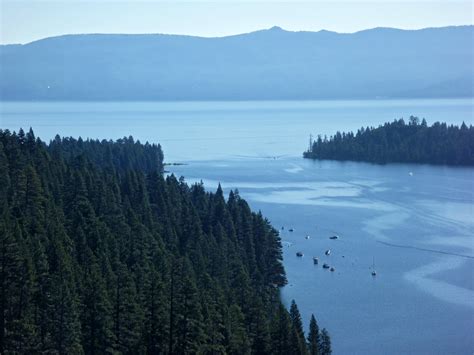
(23, 21)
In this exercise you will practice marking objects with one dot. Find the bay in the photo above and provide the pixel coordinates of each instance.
(418, 228)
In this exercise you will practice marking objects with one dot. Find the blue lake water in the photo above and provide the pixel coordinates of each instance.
(418, 228)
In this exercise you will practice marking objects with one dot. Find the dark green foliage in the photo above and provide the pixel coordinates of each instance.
(123, 155)
(297, 336)
(281, 333)
(238, 342)
(100, 254)
(414, 142)
(313, 337)
(325, 345)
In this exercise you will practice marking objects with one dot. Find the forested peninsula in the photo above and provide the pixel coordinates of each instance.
(400, 142)
(100, 253)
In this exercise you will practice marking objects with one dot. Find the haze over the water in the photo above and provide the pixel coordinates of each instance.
(26, 21)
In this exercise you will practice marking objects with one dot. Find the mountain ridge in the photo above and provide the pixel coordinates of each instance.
(378, 28)
(270, 64)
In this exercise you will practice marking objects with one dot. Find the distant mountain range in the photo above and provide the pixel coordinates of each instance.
(265, 65)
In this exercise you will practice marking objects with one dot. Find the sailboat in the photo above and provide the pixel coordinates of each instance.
(374, 273)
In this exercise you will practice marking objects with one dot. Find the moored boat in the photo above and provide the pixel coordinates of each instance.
(374, 273)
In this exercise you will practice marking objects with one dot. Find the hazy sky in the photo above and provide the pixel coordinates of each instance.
(23, 21)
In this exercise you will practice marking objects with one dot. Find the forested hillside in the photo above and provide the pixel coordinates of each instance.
(400, 142)
(101, 254)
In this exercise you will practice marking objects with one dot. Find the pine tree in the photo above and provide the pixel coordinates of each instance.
(297, 335)
(238, 341)
(156, 326)
(66, 326)
(313, 337)
(97, 335)
(127, 317)
(281, 332)
(187, 312)
(325, 344)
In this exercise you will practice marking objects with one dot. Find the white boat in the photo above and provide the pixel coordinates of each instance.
(307, 237)
(327, 252)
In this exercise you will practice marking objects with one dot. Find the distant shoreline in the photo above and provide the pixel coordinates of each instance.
(351, 99)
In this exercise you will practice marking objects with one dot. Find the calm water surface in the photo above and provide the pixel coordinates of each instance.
(418, 228)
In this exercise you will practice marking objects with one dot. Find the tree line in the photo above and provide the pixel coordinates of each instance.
(412, 142)
(100, 253)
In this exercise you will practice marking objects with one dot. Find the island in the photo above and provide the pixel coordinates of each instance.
(400, 142)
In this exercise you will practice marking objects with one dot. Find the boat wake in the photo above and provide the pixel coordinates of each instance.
(425, 249)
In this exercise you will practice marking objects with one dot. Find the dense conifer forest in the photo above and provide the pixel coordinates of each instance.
(100, 253)
(401, 142)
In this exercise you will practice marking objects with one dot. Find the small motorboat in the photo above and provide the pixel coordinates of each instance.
(325, 266)
(307, 237)
(291, 230)
(315, 260)
(410, 173)
(334, 237)
(327, 252)
(299, 254)
(332, 269)
(374, 273)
